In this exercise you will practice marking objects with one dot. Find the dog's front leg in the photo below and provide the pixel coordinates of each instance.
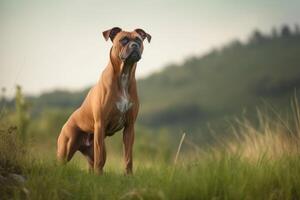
(99, 148)
(128, 139)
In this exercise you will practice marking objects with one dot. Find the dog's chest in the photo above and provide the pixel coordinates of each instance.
(123, 104)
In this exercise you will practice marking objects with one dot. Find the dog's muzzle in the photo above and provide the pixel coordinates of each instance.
(135, 56)
(132, 53)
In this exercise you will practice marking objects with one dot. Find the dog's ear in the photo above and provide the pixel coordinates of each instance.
(143, 34)
(111, 33)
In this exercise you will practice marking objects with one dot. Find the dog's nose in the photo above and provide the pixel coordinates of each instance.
(134, 45)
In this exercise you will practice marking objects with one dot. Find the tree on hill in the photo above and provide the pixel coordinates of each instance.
(297, 29)
(257, 37)
(285, 31)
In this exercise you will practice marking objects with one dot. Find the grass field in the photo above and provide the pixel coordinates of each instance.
(253, 162)
(226, 178)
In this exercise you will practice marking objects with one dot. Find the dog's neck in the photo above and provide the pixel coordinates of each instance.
(123, 74)
(126, 75)
(123, 71)
(123, 81)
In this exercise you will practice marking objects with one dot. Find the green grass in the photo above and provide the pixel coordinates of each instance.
(256, 161)
(228, 177)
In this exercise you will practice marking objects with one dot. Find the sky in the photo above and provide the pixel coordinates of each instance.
(46, 45)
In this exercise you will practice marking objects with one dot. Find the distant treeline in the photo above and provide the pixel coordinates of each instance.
(284, 32)
(258, 37)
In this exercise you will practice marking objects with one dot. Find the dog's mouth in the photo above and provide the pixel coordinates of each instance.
(135, 56)
(132, 57)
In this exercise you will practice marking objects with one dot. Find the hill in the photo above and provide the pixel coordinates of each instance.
(223, 82)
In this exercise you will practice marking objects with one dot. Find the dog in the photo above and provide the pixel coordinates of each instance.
(111, 105)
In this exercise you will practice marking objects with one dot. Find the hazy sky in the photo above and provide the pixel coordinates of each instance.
(47, 44)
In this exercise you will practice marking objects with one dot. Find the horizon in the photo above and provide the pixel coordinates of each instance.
(65, 37)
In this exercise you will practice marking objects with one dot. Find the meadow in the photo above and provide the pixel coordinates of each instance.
(217, 126)
(253, 161)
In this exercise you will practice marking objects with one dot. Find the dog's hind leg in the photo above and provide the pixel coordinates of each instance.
(88, 153)
(66, 147)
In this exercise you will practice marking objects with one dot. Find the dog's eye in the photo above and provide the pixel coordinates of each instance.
(124, 41)
(138, 40)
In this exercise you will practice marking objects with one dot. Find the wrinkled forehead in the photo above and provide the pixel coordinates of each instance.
(131, 35)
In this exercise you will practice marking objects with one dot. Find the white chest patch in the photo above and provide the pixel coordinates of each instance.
(124, 104)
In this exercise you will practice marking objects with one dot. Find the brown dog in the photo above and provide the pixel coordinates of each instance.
(111, 105)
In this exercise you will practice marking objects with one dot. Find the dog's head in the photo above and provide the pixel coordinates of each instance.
(127, 46)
